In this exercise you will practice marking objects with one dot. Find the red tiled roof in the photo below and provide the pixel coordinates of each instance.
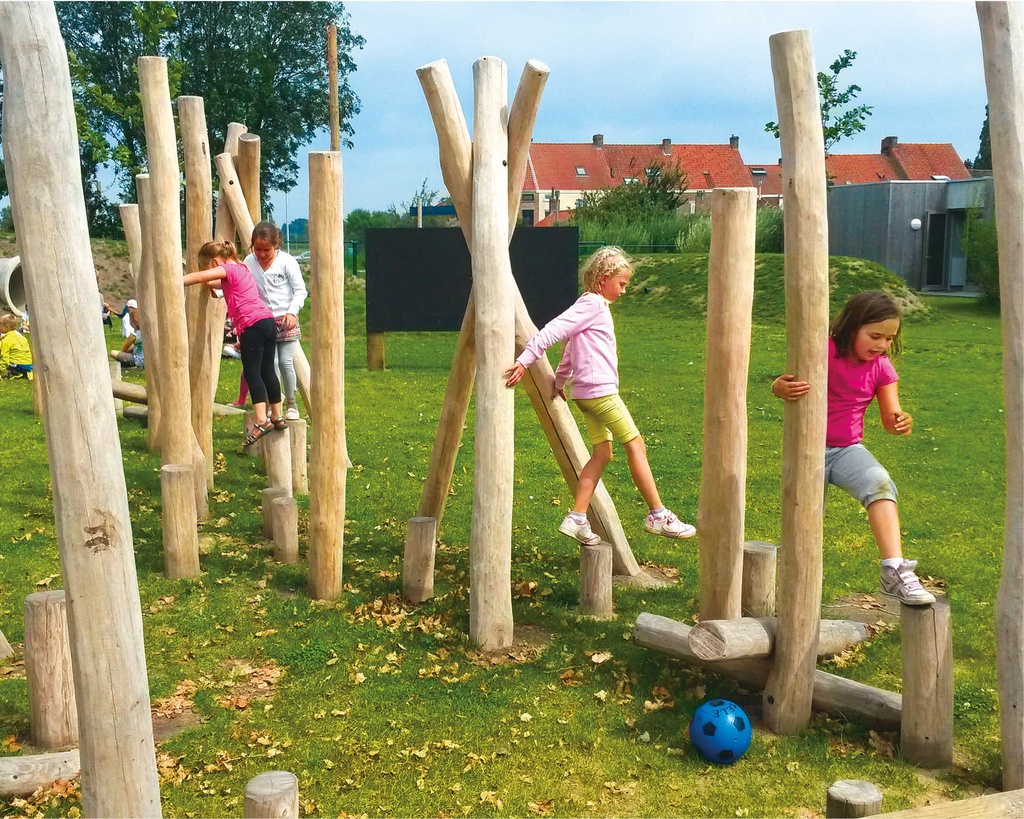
(554, 165)
(922, 160)
(772, 185)
(563, 217)
(853, 169)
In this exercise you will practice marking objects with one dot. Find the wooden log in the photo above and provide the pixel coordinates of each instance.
(297, 436)
(787, 695)
(115, 378)
(1002, 41)
(926, 734)
(272, 795)
(231, 190)
(137, 414)
(302, 378)
(277, 453)
(92, 521)
(418, 562)
(852, 798)
(38, 390)
(755, 637)
(285, 525)
(724, 475)
(147, 315)
(327, 475)
(247, 166)
(596, 580)
(333, 109)
(521, 118)
(5, 647)
(203, 318)
(129, 391)
(23, 775)
(1006, 805)
(181, 538)
(490, 539)
(831, 694)
(53, 714)
(270, 494)
(375, 351)
(759, 558)
(133, 238)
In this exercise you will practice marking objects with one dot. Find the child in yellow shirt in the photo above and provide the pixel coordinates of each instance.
(15, 354)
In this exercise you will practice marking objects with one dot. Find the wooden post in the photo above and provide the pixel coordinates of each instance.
(53, 714)
(596, 580)
(231, 191)
(133, 238)
(724, 474)
(755, 637)
(302, 378)
(787, 695)
(5, 647)
(285, 525)
(247, 164)
(23, 775)
(115, 379)
(375, 351)
(165, 227)
(418, 563)
(148, 323)
(181, 539)
(38, 390)
(926, 734)
(521, 118)
(831, 694)
(270, 494)
(327, 474)
(852, 798)
(272, 795)
(1002, 41)
(297, 436)
(277, 453)
(92, 520)
(203, 317)
(1007, 805)
(759, 558)
(333, 113)
(490, 539)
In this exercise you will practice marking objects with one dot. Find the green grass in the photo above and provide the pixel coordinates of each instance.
(386, 710)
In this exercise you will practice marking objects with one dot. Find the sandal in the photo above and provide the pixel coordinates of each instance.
(256, 433)
(279, 423)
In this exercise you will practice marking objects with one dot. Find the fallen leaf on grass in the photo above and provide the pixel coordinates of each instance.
(599, 657)
(543, 808)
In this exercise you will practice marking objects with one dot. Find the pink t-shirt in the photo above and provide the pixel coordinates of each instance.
(245, 307)
(851, 388)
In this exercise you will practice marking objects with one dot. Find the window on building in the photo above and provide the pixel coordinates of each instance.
(581, 171)
(527, 217)
(626, 180)
(528, 197)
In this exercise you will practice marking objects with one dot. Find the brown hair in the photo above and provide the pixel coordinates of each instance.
(217, 250)
(606, 261)
(8, 322)
(864, 308)
(268, 232)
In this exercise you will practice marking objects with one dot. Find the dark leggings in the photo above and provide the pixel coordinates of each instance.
(259, 354)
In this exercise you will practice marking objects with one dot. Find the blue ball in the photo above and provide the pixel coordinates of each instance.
(720, 731)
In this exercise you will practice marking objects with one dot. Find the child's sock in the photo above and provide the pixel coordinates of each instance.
(892, 562)
(579, 517)
(660, 512)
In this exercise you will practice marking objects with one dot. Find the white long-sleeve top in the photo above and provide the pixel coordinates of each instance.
(281, 286)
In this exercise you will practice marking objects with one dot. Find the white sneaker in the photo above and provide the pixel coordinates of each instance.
(905, 586)
(291, 413)
(578, 531)
(669, 526)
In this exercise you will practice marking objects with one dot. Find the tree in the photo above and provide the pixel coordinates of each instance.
(984, 158)
(657, 190)
(262, 64)
(836, 123)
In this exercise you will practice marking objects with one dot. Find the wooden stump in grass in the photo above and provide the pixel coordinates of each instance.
(853, 798)
(375, 351)
(926, 733)
(759, 561)
(285, 526)
(271, 494)
(51, 687)
(596, 580)
(115, 378)
(297, 436)
(418, 563)
(277, 452)
(181, 538)
(272, 795)
(5, 647)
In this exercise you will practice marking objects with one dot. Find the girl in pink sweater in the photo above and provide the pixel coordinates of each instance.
(256, 330)
(589, 358)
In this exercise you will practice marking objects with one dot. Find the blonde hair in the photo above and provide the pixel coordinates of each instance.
(8, 322)
(606, 261)
(217, 250)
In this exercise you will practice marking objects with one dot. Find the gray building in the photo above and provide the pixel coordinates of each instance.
(912, 227)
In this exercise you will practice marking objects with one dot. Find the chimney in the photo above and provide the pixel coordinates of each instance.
(666, 147)
(889, 143)
(598, 141)
(734, 142)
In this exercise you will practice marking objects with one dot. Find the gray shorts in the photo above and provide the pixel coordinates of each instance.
(856, 471)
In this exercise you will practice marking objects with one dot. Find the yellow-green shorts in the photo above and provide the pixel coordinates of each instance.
(607, 418)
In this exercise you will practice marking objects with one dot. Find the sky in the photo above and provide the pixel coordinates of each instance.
(638, 72)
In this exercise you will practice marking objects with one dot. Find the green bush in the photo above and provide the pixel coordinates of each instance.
(769, 233)
(696, 238)
(980, 247)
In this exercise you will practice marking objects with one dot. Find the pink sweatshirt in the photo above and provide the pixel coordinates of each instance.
(589, 356)
(245, 307)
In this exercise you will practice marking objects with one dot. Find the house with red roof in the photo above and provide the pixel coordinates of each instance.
(558, 174)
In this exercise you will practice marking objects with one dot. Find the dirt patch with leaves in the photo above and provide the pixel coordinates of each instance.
(528, 642)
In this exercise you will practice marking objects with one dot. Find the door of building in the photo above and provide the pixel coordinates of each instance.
(935, 256)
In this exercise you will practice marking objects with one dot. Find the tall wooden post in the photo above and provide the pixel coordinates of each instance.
(490, 540)
(327, 475)
(247, 164)
(231, 192)
(146, 287)
(333, 113)
(1002, 41)
(724, 475)
(787, 695)
(133, 238)
(90, 497)
(195, 143)
(164, 215)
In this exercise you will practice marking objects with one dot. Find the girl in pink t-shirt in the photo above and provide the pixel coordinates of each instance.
(859, 371)
(256, 329)
(591, 360)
